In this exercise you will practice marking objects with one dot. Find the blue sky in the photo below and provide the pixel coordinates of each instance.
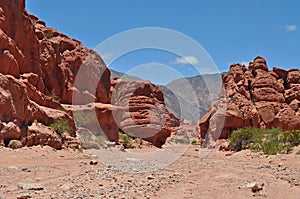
(230, 31)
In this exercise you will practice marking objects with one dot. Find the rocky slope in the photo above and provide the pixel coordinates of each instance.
(190, 98)
(256, 97)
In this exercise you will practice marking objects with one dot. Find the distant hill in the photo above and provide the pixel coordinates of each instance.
(187, 98)
(120, 75)
(190, 98)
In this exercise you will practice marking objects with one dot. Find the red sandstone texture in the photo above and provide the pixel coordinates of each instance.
(254, 97)
(41, 69)
(145, 113)
(39, 64)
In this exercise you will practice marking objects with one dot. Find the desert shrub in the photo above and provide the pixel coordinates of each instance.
(125, 140)
(240, 139)
(194, 142)
(55, 97)
(180, 141)
(14, 145)
(49, 34)
(270, 141)
(60, 126)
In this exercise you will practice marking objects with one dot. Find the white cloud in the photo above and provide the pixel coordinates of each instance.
(107, 56)
(290, 28)
(187, 60)
(245, 63)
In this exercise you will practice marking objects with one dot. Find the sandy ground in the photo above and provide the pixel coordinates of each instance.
(68, 174)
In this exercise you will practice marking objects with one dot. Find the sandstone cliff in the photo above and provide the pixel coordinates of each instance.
(37, 65)
(43, 72)
(254, 97)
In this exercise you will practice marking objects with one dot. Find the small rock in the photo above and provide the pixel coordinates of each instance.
(280, 164)
(228, 154)
(264, 166)
(133, 159)
(93, 162)
(26, 169)
(25, 196)
(151, 177)
(13, 167)
(254, 187)
(27, 186)
(281, 168)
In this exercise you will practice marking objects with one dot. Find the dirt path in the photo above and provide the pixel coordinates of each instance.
(68, 174)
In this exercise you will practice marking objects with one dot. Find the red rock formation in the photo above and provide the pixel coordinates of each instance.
(40, 64)
(19, 114)
(45, 63)
(50, 58)
(145, 114)
(254, 97)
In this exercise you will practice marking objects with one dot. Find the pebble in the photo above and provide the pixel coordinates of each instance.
(24, 196)
(151, 177)
(280, 164)
(264, 166)
(93, 162)
(28, 186)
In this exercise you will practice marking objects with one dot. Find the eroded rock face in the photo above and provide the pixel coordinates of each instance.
(145, 114)
(39, 67)
(254, 97)
(19, 114)
(49, 60)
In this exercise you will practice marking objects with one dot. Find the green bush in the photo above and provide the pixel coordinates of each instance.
(60, 126)
(125, 140)
(14, 145)
(55, 97)
(270, 141)
(180, 141)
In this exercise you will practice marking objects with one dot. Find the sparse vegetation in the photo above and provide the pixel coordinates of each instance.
(60, 126)
(270, 141)
(194, 142)
(180, 141)
(125, 140)
(80, 149)
(14, 145)
(49, 34)
(55, 97)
